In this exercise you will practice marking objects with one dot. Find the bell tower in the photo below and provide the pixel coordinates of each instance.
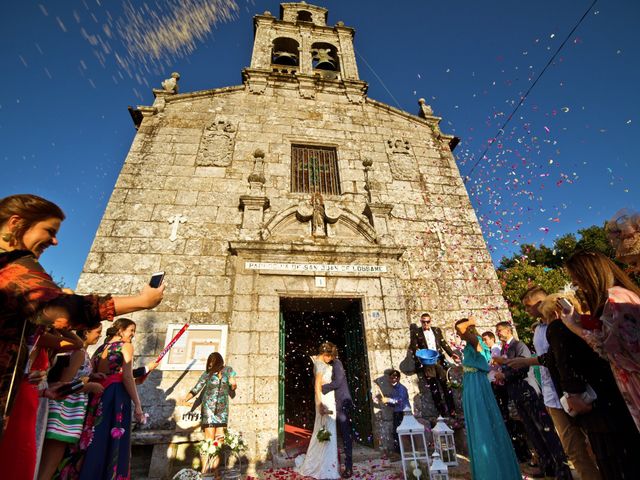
(300, 48)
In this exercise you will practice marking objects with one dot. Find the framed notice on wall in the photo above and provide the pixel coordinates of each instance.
(191, 350)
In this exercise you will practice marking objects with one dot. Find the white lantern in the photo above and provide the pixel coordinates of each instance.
(439, 469)
(444, 443)
(413, 448)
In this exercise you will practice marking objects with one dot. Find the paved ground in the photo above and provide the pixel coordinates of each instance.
(379, 469)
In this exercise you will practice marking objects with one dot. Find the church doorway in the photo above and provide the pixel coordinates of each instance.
(304, 324)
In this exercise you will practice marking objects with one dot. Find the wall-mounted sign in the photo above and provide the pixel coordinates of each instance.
(191, 350)
(316, 267)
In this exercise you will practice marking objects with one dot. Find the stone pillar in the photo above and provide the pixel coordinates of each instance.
(378, 213)
(253, 215)
(254, 204)
(161, 460)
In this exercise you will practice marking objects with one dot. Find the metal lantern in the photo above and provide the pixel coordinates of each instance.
(444, 443)
(413, 448)
(439, 469)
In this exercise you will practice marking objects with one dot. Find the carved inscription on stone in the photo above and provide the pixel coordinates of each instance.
(401, 160)
(216, 145)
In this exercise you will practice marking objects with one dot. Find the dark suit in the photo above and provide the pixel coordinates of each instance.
(523, 391)
(612, 433)
(344, 404)
(435, 375)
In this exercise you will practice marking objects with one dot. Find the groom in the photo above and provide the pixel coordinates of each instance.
(344, 403)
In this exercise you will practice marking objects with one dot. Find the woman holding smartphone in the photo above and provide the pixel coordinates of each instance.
(30, 299)
(104, 449)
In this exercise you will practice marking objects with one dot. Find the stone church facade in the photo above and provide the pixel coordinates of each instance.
(292, 189)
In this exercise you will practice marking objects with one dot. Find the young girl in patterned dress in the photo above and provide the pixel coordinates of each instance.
(104, 449)
(66, 417)
(217, 383)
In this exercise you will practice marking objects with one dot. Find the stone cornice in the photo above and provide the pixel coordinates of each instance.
(203, 93)
(312, 26)
(431, 121)
(299, 249)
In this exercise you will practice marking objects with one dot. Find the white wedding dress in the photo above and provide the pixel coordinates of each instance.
(321, 459)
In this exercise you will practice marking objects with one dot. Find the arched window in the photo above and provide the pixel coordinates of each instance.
(304, 16)
(325, 59)
(285, 52)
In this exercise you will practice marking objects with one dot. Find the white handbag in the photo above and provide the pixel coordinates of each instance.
(588, 396)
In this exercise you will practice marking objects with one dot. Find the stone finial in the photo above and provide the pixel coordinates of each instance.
(170, 85)
(340, 23)
(267, 13)
(425, 110)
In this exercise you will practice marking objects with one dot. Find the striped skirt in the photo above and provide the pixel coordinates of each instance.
(66, 418)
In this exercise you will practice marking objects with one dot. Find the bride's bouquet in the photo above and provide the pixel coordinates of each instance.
(323, 435)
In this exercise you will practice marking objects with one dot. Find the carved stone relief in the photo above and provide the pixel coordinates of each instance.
(401, 160)
(216, 145)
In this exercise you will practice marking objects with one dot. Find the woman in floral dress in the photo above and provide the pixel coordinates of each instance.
(217, 384)
(614, 300)
(104, 449)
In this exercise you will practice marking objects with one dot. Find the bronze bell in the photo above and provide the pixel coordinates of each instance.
(285, 58)
(325, 59)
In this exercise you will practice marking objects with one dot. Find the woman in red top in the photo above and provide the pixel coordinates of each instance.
(30, 300)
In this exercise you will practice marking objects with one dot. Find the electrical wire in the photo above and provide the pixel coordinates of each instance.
(523, 97)
(378, 77)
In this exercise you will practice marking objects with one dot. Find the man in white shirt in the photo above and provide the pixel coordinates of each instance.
(572, 437)
(432, 338)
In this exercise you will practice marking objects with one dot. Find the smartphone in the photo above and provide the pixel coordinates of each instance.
(156, 279)
(69, 388)
(566, 304)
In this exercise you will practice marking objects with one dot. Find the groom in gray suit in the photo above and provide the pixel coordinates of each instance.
(344, 403)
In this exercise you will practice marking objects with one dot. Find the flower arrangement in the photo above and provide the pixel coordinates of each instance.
(234, 441)
(209, 448)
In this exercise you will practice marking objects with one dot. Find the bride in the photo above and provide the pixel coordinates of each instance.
(321, 459)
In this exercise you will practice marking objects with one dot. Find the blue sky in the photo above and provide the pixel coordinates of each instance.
(569, 158)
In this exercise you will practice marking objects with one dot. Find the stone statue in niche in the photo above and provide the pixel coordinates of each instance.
(319, 215)
(318, 226)
(401, 160)
(216, 145)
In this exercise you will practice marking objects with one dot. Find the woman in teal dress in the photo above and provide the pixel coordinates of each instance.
(490, 449)
(217, 384)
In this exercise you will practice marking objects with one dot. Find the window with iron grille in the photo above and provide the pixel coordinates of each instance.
(314, 169)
